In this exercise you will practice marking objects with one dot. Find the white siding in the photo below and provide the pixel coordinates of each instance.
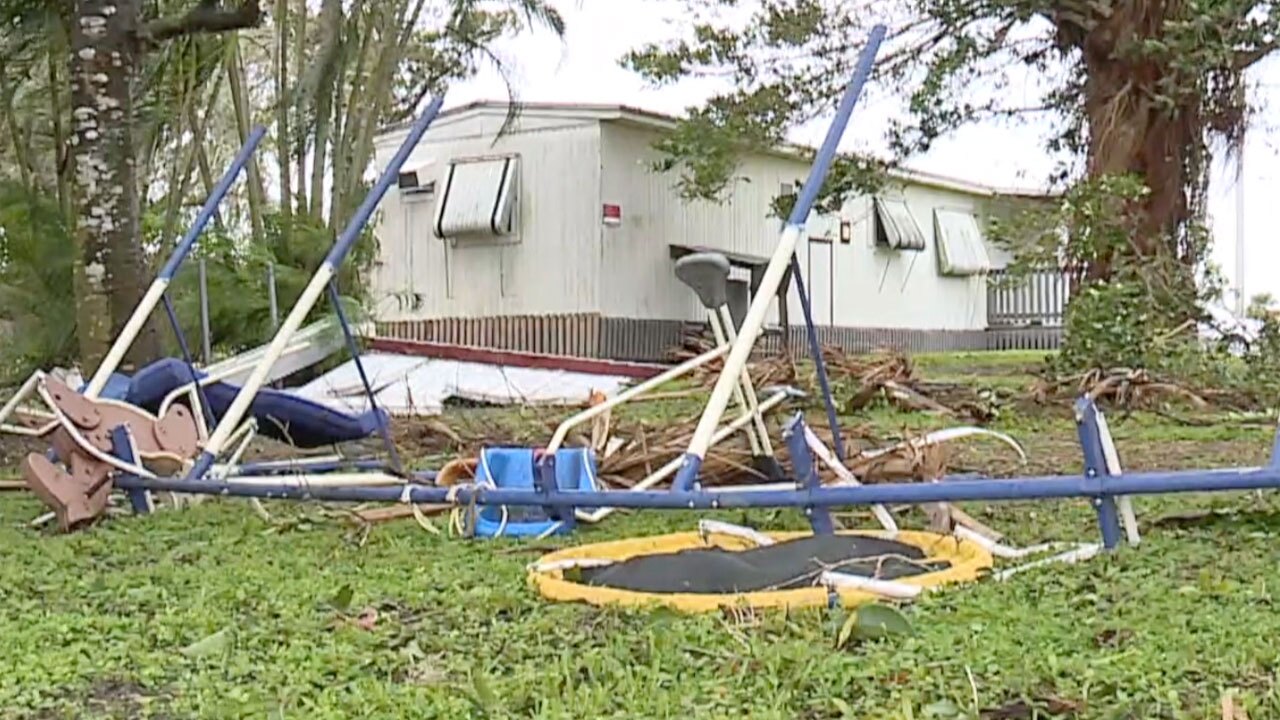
(878, 287)
(546, 266)
(563, 259)
(869, 287)
(636, 267)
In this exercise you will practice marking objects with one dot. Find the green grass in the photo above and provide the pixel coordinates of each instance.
(212, 612)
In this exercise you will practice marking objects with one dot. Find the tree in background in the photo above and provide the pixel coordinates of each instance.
(108, 40)
(117, 115)
(1136, 93)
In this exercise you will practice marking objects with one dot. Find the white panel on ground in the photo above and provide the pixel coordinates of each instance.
(409, 386)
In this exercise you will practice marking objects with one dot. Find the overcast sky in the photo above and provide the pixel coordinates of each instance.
(584, 68)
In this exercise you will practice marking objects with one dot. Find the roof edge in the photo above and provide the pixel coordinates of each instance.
(617, 112)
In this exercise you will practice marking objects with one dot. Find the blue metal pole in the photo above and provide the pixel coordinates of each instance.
(243, 401)
(710, 420)
(361, 217)
(1095, 466)
(122, 447)
(211, 204)
(819, 364)
(1028, 488)
(160, 284)
(353, 347)
(831, 143)
(806, 473)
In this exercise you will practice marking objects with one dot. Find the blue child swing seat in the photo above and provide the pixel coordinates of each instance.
(513, 468)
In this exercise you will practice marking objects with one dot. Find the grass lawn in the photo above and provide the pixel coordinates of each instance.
(212, 612)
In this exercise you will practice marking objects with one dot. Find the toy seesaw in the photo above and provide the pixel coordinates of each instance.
(729, 565)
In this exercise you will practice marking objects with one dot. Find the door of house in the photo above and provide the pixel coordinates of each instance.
(819, 278)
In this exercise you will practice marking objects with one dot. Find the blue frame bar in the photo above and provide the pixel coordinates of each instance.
(211, 204)
(947, 490)
(819, 364)
(345, 241)
(1095, 466)
(353, 347)
(122, 447)
(806, 472)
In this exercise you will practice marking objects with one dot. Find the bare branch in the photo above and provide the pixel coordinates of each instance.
(207, 17)
(1246, 58)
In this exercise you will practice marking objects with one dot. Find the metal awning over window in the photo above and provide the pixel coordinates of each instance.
(896, 226)
(478, 197)
(961, 249)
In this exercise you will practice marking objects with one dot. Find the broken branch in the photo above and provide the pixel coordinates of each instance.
(207, 17)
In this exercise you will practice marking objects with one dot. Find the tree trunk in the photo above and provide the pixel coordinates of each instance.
(283, 103)
(1133, 131)
(240, 104)
(110, 279)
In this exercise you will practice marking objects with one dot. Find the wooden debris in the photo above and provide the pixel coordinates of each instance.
(887, 375)
(1122, 387)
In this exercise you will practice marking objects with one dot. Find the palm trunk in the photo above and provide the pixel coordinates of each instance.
(240, 101)
(283, 103)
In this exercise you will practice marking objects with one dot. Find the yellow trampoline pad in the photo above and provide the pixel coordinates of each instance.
(967, 561)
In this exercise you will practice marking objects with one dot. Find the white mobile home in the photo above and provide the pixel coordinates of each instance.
(558, 237)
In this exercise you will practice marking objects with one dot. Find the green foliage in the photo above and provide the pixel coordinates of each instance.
(37, 259)
(1140, 312)
(211, 612)
(36, 283)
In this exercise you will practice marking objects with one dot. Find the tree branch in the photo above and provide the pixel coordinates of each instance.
(1246, 58)
(207, 17)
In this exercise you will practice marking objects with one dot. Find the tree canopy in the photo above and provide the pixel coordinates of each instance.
(1136, 89)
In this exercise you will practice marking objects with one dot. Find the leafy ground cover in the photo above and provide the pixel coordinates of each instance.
(213, 612)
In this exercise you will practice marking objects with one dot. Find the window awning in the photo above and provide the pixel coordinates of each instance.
(961, 249)
(897, 226)
(478, 197)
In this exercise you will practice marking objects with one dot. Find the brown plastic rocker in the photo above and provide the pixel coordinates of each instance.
(78, 490)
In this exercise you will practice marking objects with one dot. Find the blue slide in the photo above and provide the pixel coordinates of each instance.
(280, 415)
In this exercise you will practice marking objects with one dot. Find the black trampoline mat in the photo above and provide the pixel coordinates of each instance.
(782, 566)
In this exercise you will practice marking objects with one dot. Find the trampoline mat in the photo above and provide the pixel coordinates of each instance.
(782, 566)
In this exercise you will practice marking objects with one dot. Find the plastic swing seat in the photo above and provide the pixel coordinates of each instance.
(511, 468)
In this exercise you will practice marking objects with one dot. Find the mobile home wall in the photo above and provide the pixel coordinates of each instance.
(547, 266)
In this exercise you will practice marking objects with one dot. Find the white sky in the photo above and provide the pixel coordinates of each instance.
(584, 68)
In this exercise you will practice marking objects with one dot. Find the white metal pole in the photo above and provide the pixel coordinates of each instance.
(747, 408)
(752, 325)
(753, 401)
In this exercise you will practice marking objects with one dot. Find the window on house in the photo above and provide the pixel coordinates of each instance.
(961, 248)
(896, 226)
(478, 198)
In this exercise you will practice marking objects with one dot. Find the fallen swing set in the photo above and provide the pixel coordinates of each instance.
(555, 486)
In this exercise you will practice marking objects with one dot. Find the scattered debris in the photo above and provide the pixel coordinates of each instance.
(415, 386)
(1230, 710)
(866, 378)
